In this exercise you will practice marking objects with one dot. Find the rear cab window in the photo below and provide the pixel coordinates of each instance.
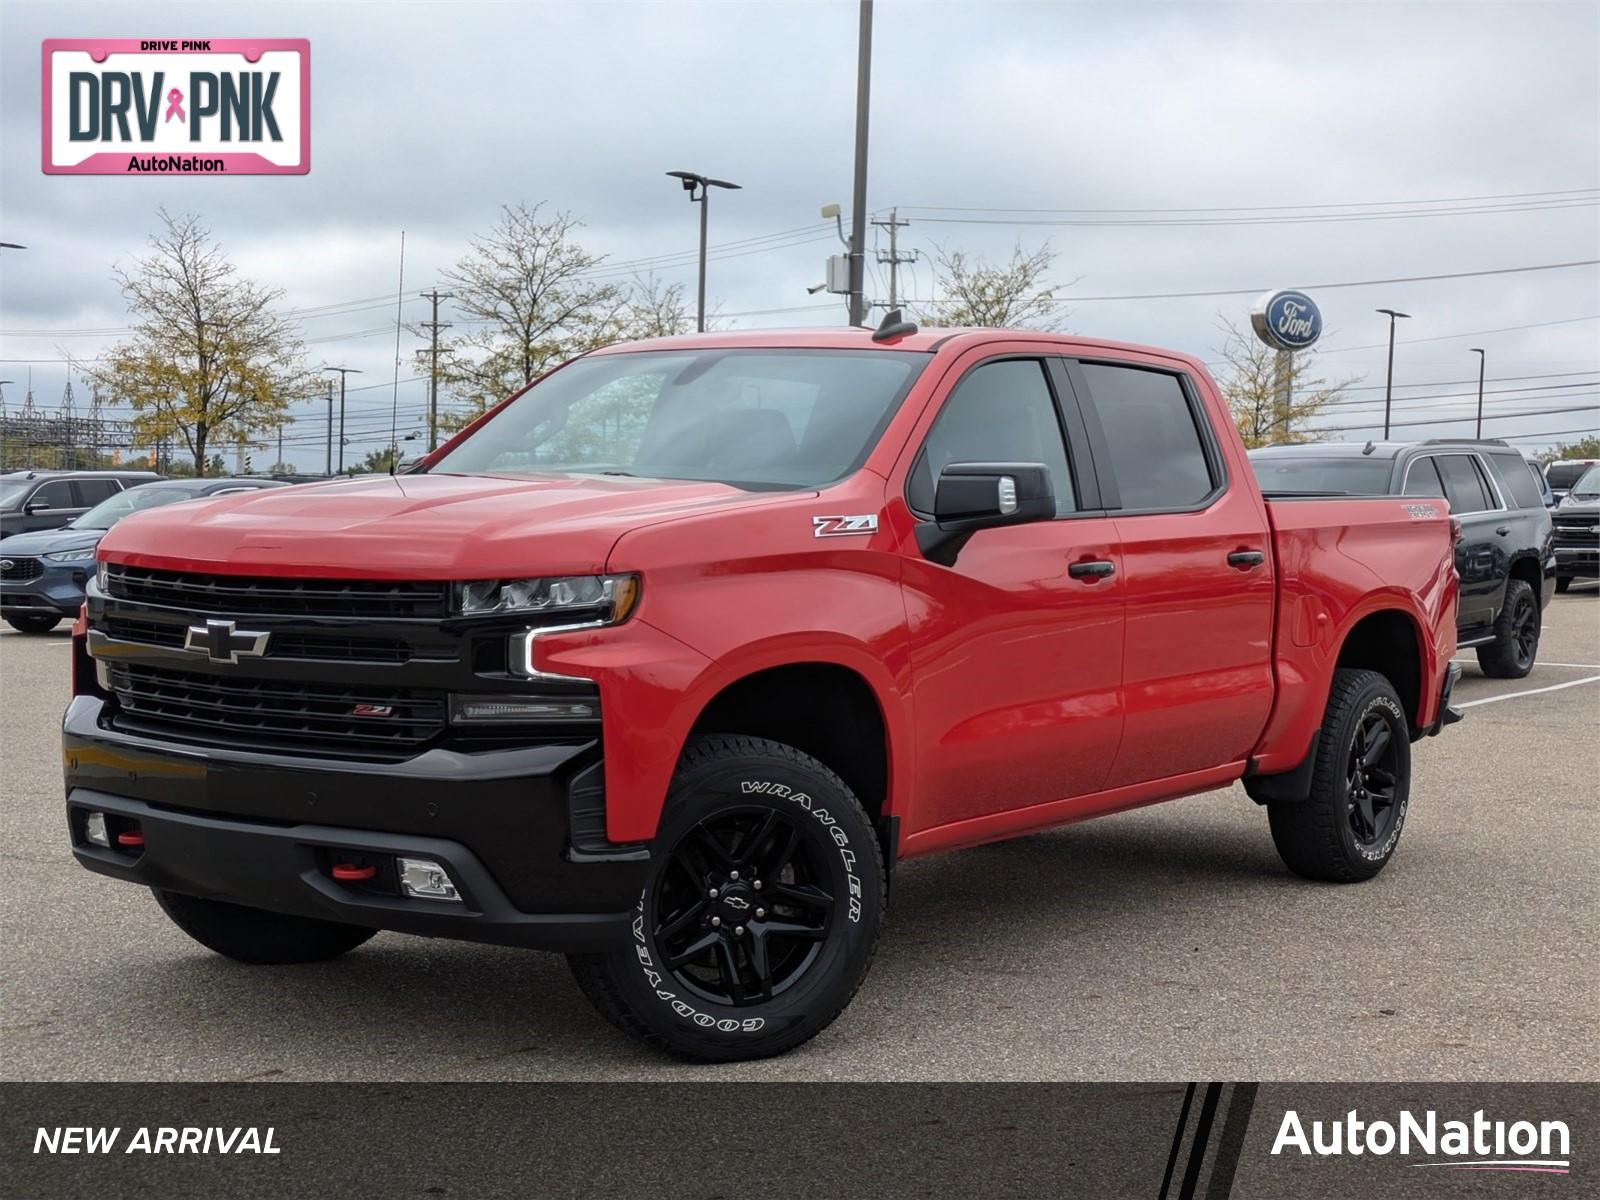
(1161, 459)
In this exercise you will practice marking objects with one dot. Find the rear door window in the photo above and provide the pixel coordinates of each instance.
(57, 493)
(1316, 475)
(92, 491)
(1422, 479)
(1516, 478)
(1155, 445)
(1462, 484)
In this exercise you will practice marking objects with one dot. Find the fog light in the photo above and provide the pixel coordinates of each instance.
(524, 710)
(426, 880)
(94, 829)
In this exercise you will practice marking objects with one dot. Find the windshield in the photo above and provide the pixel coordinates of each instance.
(1345, 476)
(750, 418)
(1564, 475)
(12, 491)
(108, 512)
(1588, 487)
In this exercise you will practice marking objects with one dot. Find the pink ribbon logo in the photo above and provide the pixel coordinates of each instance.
(175, 105)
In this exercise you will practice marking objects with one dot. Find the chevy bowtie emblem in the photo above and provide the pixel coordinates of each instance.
(223, 642)
(736, 902)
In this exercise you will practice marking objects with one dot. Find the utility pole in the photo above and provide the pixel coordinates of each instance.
(1388, 385)
(1481, 357)
(894, 258)
(433, 327)
(343, 371)
(858, 200)
(328, 469)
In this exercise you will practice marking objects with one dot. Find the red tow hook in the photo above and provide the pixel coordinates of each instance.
(131, 837)
(352, 872)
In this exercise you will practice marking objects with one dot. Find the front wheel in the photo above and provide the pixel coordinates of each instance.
(1349, 824)
(33, 623)
(760, 912)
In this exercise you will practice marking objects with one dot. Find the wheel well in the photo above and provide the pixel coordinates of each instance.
(826, 710)
(1528, 570)
(1386, 642)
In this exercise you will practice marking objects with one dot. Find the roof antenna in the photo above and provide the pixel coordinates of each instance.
(894, 325)
(1369, 447)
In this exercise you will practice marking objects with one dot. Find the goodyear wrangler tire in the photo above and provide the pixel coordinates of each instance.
(761, 911)
(1347, 828)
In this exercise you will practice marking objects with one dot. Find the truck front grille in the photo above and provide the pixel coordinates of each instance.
(282, 713)
(317, 645)
(372, 598)
(1577, 530)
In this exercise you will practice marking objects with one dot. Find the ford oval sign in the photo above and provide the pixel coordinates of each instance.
(1287, 320)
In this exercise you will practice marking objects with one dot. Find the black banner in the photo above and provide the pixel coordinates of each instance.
(1154, 1141)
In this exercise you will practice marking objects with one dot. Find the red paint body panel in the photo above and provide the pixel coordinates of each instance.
(1013, 697)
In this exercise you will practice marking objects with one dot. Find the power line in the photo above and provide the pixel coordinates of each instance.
(1267, 207)
(1446, 337)
(1213, 222)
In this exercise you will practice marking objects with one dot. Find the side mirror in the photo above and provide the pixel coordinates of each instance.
(36, 506)
(974, 496)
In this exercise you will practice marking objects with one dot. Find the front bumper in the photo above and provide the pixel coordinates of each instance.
(57, 591)
(263, 830)
(1578, 562)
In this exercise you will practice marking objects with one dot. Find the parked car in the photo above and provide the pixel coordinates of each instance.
(1577, 529)
(1506, 556)
(34, 500)
(42, 575)
(668, 661)
(1565, 472)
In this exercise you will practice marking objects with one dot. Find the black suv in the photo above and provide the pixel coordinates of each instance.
(34, 500)
(1577, 521)
(1506, 557)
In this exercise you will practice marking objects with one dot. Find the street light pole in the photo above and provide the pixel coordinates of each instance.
(698, 186)
(858, 204)
(1388, 386)
(343, 371)
(1481, 358)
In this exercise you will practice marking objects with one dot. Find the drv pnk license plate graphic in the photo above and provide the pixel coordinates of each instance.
(167, 106)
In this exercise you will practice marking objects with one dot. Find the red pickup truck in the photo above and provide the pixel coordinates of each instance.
(669, 659)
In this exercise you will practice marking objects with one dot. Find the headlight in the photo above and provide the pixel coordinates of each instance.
(83, 555)
(600, 599)
(101, 575)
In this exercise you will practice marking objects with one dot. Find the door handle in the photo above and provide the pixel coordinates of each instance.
(1503, 530)
(1098, 569)
(1246, 559)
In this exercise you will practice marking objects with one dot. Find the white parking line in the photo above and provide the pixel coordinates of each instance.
(1555, 687)
(1544, 663)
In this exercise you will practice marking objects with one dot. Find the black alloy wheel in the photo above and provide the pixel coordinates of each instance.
(742, 908)
(1525, 629)
(1370, 775)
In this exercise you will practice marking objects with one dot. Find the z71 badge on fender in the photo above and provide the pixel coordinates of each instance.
(844, 526)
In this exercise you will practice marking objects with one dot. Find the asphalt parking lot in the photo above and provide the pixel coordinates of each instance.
(1161, 944)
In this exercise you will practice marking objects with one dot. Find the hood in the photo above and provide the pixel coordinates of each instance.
(50, 541)
(416, 526)
(1570, 503)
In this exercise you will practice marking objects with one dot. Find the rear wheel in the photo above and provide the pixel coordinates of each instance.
(760, 913)
(1516, 635)
(1347, 828)
(253, 935)
(33, 623)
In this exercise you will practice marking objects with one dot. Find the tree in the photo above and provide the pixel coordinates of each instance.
(1249, 384)
(209, 362)
(652, 310)
(1013, 295)
(376, 462)
(527, 289)
(1588, 447)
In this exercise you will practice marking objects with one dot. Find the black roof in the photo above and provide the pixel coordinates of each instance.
(1370, 449)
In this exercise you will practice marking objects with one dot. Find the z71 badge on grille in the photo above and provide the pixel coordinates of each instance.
(844, 526)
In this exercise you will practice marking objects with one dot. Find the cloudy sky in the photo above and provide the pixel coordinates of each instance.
(1279, 144)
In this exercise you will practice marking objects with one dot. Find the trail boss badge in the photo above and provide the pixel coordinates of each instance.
(216, 106)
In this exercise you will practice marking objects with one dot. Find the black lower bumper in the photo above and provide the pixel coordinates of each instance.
(265, 831)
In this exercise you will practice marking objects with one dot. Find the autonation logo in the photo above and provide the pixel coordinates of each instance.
(1479, 1144)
